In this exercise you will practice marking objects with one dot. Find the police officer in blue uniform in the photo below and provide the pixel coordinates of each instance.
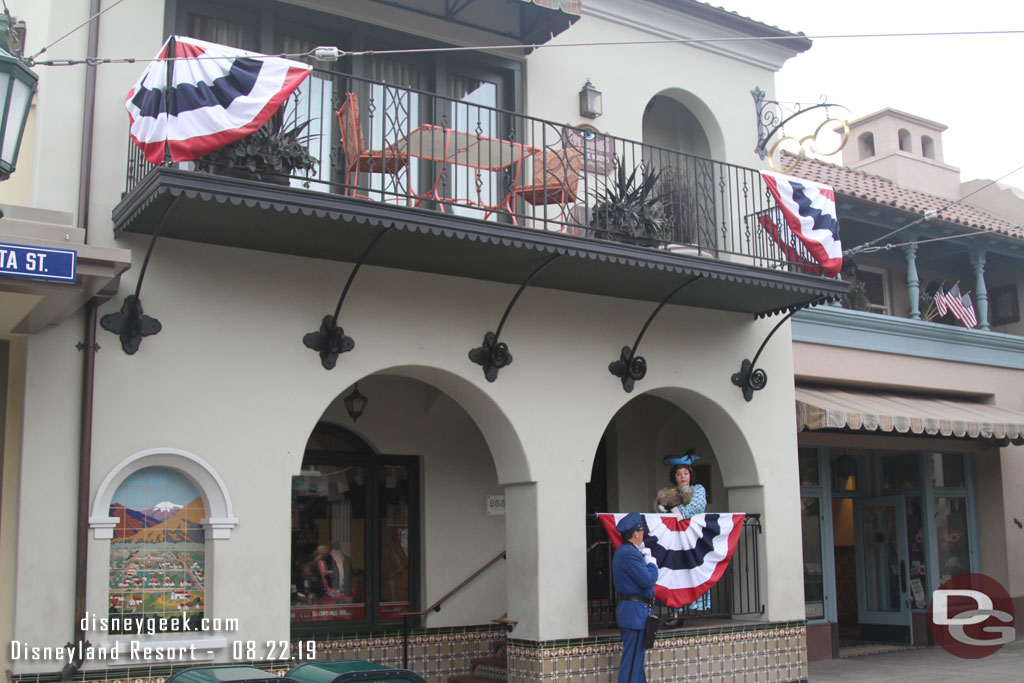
(634, 572)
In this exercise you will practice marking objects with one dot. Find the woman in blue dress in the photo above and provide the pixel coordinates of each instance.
(681, 476)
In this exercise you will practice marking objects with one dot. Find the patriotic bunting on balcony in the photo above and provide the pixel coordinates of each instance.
(692, 554)
(805, 226)
(220, 94)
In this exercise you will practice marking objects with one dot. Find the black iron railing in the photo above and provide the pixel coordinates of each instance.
(736, 593)
(380, 142)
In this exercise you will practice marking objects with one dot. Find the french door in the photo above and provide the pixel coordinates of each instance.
(355, 544)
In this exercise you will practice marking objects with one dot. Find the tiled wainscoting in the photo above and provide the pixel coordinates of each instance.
(745, 653)
(733, 654)
(435, 654)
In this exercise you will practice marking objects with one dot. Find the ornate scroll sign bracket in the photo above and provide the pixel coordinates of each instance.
(772, 115)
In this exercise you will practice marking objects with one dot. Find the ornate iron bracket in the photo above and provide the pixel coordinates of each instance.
(330, 341)
(130, 324)
(750, 378)
(493, 355)
(631, 368)
(770, 113)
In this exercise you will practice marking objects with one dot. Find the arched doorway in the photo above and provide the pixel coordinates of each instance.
(355, 542)
(629, 469)
(677, 146)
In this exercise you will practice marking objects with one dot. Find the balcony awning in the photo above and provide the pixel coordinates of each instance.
(820, 408)
(530, 22)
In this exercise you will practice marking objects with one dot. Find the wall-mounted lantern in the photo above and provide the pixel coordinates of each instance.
(590, 101)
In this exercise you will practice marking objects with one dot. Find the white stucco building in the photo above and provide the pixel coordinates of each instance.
(206, 471)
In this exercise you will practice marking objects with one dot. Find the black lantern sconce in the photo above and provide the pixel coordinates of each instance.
(355, 403)
(590, 101)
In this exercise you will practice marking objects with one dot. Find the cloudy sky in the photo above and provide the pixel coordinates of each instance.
(972, 84)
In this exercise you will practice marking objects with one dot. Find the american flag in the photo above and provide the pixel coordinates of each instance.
(809, 223)
(940, 301)
(955, 302)
(223, 97)
(971, 319)
(692, 554)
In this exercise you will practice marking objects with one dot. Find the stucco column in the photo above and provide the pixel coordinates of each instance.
(980, 291)
(545, 538)
(913, 284)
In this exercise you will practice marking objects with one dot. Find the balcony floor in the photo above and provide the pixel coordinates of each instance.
(247, 214)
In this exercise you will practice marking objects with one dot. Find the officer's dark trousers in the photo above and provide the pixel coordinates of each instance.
(631, 669)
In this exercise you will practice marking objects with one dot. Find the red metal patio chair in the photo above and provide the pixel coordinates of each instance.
(555, 180)
(358, 159)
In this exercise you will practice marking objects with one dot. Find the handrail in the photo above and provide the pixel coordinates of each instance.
(436, 607)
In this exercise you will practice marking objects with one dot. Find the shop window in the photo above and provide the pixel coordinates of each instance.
(353, 542)
(157, 554)
(845, 477)
(947, 470)
(809, 467)
(814, 583)
(900, 472)
(951, 536)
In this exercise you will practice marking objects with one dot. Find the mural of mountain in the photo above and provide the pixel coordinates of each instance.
(130, 521)
(162, 511)
(182, 526)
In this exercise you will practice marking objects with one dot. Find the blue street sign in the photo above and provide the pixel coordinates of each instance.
(42, 263)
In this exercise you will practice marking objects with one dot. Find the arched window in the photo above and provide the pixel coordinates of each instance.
(905, 143)
(158, 553)
(927, 147)
(866, 145)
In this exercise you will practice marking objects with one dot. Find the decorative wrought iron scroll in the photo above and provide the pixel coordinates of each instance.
(772, 115)
(631, 368)
(493, 355)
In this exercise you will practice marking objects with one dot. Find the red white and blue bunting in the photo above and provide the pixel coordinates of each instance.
(692, 554)
(805, 225)
(220, 94)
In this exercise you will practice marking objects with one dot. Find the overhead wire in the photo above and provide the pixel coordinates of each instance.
(31, 59)
(532, 46)
(868, 247)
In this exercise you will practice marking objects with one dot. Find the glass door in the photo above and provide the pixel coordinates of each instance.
(485, 174)
(354, 541)
(882, 570)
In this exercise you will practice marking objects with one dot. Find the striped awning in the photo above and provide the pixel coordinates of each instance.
(568, 6)
(870, 411)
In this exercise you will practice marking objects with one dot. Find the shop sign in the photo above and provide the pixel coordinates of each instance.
(41, 263)
(598, 149)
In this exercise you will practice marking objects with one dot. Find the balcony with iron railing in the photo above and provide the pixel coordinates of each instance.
(736, 594)
(347, 150)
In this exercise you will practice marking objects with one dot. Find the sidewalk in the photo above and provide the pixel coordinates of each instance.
(930, 664)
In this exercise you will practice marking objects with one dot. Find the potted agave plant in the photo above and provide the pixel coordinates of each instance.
(273, 153)
(630, 208)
